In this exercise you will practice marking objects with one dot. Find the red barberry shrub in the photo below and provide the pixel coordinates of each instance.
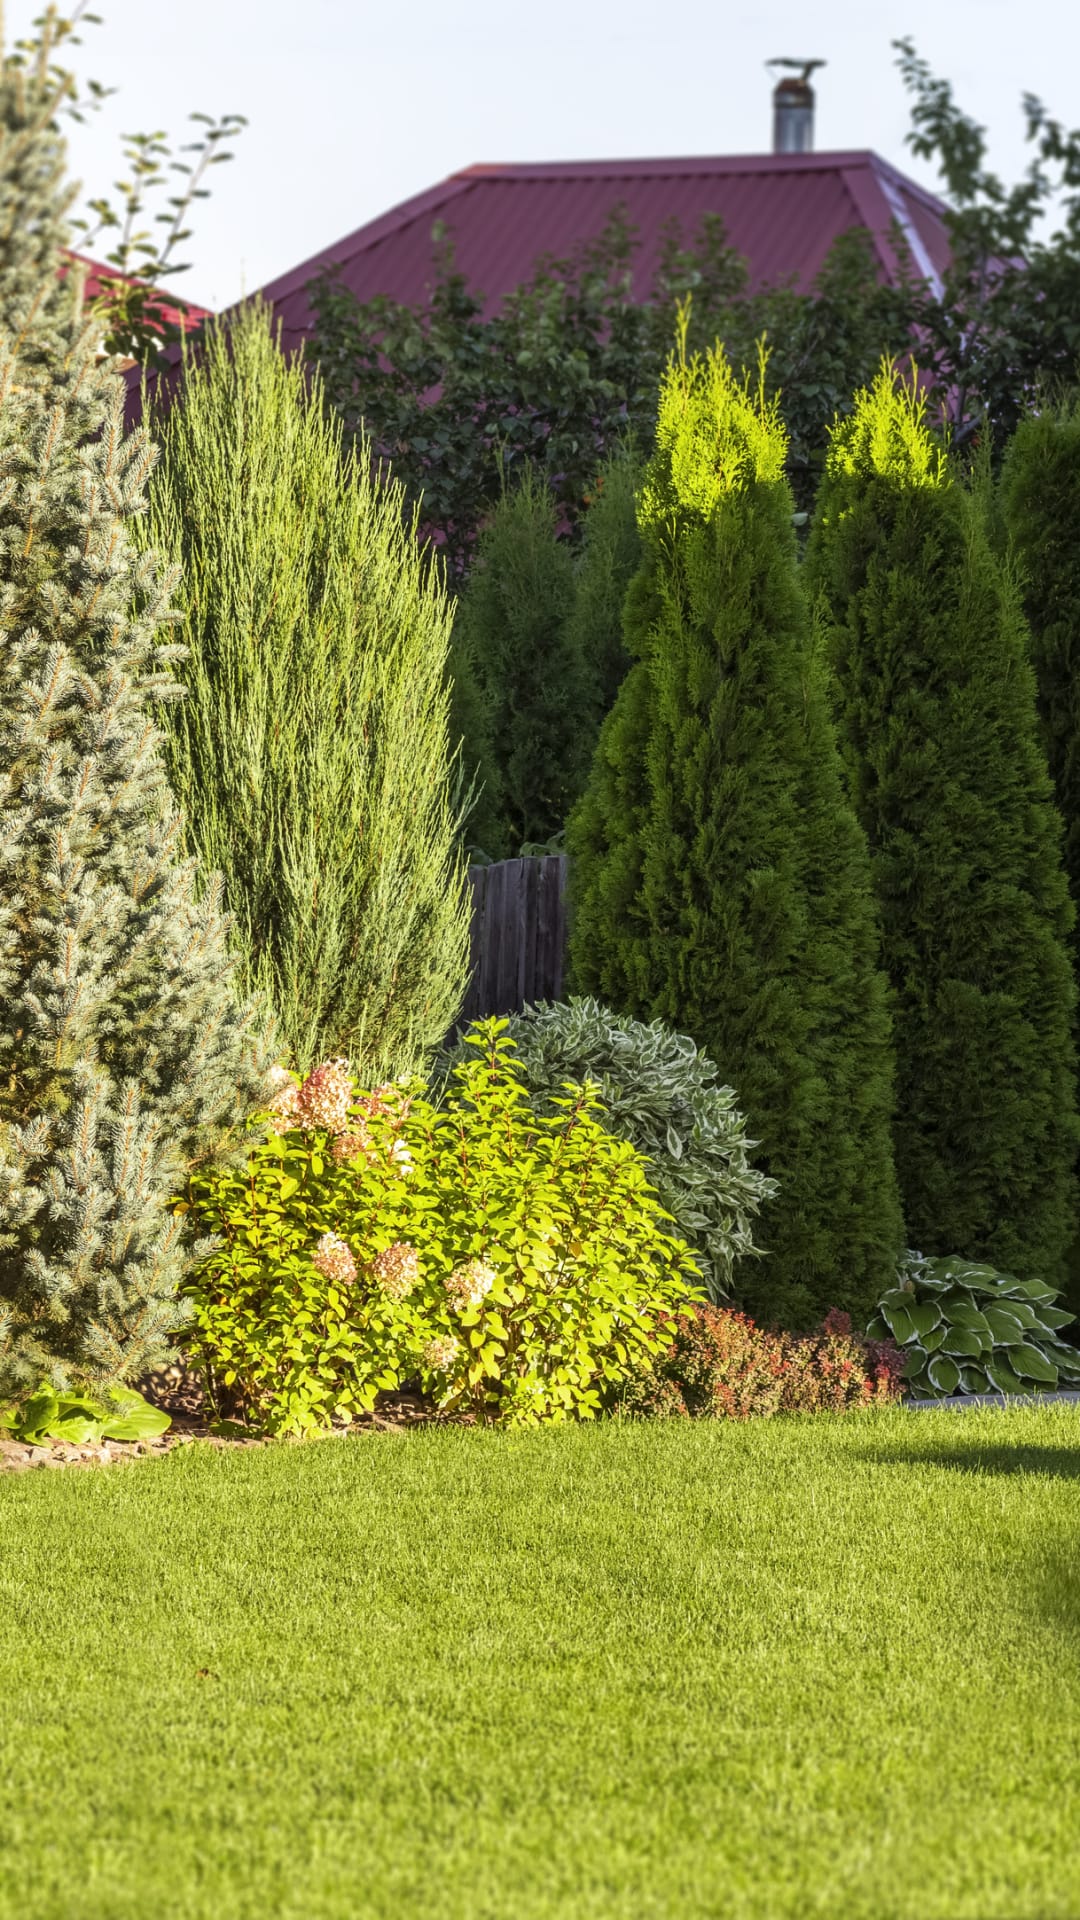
(720, 1365)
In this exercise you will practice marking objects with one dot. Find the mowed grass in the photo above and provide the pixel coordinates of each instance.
(789, 1668)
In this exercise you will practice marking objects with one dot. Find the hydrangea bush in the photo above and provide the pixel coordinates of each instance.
(513, 1265)
(661, 1093)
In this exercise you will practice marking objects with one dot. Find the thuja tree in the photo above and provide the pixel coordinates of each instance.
(124, 1056)
(515, 651)
(733, 898)
(313, 758)
(936, 705)
(1040, 506)
(609, 557)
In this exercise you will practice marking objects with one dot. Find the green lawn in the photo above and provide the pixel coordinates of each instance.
(789, 1668)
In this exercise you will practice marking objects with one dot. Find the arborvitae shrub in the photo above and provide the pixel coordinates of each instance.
(124, 1056)
(936, 705)
(609, 558)
(313, 757)
(721, 882)
(515, 653)
(1040, 503)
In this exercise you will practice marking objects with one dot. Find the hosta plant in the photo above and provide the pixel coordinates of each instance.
(77, 1418)
(510, 1265)
(966, 1328)
(663, 1094)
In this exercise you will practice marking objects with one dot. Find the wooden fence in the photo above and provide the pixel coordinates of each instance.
(518, 935)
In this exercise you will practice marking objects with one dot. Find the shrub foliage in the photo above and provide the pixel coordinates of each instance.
(720, 1366)
(721, 882)
(313, 757)
(936, 707)
(965, 1328)
(515, 1267)
(1040, 503)
(124, 1055)
(660, 1092)
(520, 673)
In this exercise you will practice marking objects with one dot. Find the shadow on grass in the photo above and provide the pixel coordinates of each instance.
(978, 1457)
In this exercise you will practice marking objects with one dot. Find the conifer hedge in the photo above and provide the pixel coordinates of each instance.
(936, 706)
(720, 880)
(1040, 504)
(524, 695)
(125, 1059)
(609, 558)
(312, 758)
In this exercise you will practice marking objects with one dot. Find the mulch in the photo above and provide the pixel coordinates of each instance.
(180, 1394)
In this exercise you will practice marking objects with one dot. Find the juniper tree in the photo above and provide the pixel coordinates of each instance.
(512, 638)
(721, 882)
(936, 707)
(1040, 504)
(312, 758)
(124, 1056)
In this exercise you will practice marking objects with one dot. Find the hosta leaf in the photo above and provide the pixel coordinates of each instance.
(899, 1321)
(1004, 1379)
(1036, 1290)
(1004, 1327)
(1056, 1316)
(943, 1374)
(974, 1380)
(966, 1343)
(930, 1342)
(1032, 1364)
(964, 1313)
(924, 1317)
(896, 1297)
(914, 1363)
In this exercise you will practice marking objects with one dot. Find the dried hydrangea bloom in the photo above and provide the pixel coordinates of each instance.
(357, 1144)
(396, 1270)
(284, 1094)
(441, 1352)
(469, 1284)
(333, 1259)
(326, 1096)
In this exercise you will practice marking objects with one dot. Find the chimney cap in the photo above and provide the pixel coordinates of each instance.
(804, 68)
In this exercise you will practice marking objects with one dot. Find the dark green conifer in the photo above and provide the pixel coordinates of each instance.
(936, 706)
(609, 558)
(124, 1057)
(1040, 505)
(514, 650)
(721, 881)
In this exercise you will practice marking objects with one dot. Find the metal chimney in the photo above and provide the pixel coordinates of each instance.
(793, 107)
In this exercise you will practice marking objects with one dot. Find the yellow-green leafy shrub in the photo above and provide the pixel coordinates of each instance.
(514, 1265)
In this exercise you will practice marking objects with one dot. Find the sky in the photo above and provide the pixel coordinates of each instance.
(355, 106)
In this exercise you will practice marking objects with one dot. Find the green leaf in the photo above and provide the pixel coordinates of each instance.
(1031, 1364)
(943, 1374)
(964, 1313)
(966, 1343)
(924, 1317)
(1004, 1327)
(974, 1380)
(899, 1321)
(1003, 1378)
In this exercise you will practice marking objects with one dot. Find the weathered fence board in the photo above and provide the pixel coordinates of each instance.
(517, 935)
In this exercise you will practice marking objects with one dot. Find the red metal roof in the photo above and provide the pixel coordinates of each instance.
(782, 211)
